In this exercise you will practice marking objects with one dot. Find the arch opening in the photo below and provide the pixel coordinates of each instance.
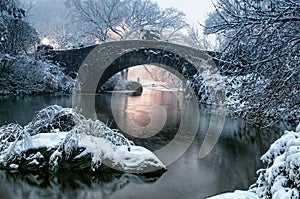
(164, 59)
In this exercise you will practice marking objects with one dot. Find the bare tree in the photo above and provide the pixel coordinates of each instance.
(196, 39)
(16, 35)
(123, 19)
(261, 42)
(54, 21)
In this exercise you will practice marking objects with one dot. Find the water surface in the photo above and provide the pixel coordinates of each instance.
(231, 164)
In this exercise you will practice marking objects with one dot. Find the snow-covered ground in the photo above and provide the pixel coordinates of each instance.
(236, 195)
(57, 135)
(281, 178)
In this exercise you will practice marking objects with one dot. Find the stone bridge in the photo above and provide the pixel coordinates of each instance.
(183, 61)
(191, 65)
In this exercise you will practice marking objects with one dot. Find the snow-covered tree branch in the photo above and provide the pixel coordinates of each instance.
(261, 40)
(123, 19)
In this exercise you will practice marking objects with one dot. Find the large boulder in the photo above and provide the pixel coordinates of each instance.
(59, 139)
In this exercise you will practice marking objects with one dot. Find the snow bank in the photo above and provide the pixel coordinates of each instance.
(59, 138)
(281, 178)
(236, 195)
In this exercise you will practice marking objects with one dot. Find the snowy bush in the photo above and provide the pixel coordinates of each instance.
(51, 118)
(27, 75)
(99, 129)
(281, 178)
(9, 136)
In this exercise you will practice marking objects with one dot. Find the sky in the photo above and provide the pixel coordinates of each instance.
(195, 10)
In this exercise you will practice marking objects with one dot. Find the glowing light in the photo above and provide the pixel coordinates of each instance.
(97, 41)
(51, 42)
(45, 41)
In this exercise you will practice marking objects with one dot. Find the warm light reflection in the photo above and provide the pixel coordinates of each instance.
(154, 76)
(142, 117)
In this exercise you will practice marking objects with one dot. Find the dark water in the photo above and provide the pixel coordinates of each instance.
(230, 165)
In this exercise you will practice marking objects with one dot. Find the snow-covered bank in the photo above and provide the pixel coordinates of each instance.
(28, 75)
(236, 195)
(60, 139)
(281, 177)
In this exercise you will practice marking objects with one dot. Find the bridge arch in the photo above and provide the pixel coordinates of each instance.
(162, 58)
(187, 62)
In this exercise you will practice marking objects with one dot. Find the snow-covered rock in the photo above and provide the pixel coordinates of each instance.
(135, 159)
(59, 138)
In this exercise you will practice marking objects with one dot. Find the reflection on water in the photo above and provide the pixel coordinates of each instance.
(134, 111)
(231, 164)
(64, 185)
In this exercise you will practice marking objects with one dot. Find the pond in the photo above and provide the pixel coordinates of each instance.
(231, 165)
